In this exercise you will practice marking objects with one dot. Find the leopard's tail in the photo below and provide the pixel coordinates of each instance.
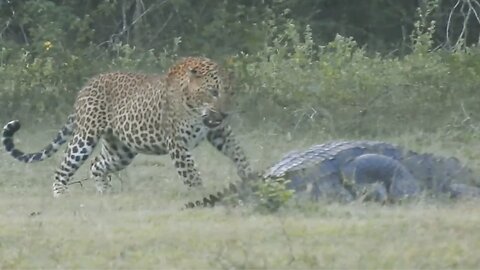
(13, 126)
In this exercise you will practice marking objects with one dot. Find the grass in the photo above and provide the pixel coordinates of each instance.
(141, 226)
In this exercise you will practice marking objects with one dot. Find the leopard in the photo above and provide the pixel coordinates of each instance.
(131, 113)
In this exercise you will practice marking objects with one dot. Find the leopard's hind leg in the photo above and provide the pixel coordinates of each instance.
(115, 156)
(78, 150)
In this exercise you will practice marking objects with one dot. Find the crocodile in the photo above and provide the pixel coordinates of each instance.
(375, 170)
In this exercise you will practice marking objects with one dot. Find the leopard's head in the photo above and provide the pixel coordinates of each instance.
(206, 88)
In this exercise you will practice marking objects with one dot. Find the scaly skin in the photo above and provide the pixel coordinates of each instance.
(343, 168)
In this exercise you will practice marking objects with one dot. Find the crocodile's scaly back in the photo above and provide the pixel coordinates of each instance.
(340, 151)
(296, 161)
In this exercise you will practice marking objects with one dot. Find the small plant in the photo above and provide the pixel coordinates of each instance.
(424, 27)
(272, 195)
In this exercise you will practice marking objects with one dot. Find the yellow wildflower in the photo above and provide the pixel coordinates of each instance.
(230, 61)
(47, 45)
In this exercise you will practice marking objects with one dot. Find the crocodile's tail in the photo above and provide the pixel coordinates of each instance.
(238, 187)
(13, 126)
(212, 199)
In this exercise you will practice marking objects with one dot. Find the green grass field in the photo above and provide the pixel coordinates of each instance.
(141, 226)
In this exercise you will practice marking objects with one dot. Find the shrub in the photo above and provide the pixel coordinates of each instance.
(286, 79)
(342, 88)
(271, 195)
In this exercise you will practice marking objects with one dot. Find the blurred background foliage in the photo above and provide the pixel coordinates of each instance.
(345, 68)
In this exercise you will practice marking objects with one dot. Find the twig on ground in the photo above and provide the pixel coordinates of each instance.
(79, 182)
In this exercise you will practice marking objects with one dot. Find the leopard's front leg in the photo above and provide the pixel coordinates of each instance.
(184, 163)
(224, 140)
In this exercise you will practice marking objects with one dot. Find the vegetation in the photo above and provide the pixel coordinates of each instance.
(306, 71)
(127, 231)
(300, 63)
(141, 224)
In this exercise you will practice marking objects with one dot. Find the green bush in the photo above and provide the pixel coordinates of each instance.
(344, 89)
(271, 195)
(45, 85)
(286, 79)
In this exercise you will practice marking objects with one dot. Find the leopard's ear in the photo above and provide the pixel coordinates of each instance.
(193, 79)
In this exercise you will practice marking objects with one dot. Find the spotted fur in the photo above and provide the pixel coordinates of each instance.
(132, 113)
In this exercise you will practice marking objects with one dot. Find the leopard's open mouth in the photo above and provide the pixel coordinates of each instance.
(214, 119)
(212, 123)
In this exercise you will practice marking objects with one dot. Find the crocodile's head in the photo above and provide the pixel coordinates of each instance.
(436, 173)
